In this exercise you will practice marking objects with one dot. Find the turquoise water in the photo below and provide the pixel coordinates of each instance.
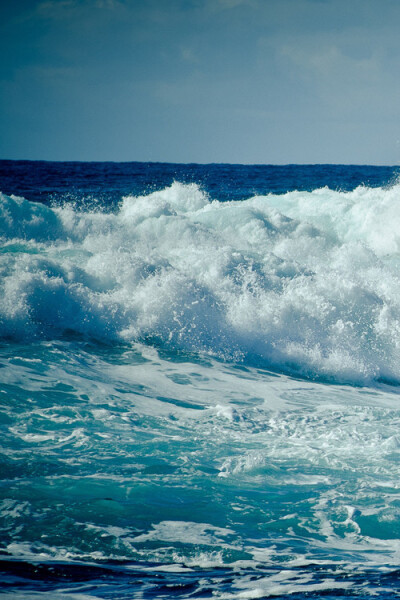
(199, 398)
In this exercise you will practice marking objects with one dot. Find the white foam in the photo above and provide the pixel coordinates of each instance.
(185, 532)
(304, 282)
(280, 584)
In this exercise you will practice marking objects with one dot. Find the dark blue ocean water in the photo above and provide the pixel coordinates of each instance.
(107, 182)
(199, 381)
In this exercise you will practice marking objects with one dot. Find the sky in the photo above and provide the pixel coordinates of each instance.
(205, 81)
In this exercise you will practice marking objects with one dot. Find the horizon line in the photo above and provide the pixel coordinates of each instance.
(203, 164)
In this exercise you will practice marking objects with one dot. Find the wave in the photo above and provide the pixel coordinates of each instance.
(305, 282)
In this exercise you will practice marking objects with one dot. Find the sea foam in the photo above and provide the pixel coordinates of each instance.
(305, 282)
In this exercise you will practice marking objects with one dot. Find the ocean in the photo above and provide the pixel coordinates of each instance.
(199, 381)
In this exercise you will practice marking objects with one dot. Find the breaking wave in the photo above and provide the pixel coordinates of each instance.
(305, 282)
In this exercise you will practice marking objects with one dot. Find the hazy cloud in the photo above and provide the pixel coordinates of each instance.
(201, 80)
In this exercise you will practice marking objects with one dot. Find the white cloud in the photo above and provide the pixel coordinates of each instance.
(188, 55)
(58, 9)
(233, 3)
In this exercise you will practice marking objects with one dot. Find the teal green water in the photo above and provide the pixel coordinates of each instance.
(233, 469)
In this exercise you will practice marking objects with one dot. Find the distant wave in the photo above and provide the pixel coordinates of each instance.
(305, 282)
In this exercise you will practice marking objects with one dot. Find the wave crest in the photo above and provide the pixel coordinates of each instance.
(305, 282)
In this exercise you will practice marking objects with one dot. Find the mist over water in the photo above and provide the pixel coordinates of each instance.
(199, 395)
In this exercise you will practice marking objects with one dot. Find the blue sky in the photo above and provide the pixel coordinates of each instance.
(236, 81)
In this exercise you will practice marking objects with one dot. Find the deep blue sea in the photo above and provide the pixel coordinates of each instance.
(199, 381)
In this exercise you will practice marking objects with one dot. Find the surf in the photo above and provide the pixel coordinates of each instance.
(302, 283)
(198, 381)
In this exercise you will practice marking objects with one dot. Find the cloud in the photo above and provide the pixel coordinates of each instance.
(242, 71)
(56, 8)
(188, 55)
(227, 4)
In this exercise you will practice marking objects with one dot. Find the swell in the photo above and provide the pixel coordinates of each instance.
(305, 282)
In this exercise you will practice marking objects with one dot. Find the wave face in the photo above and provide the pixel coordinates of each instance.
(304, 282)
